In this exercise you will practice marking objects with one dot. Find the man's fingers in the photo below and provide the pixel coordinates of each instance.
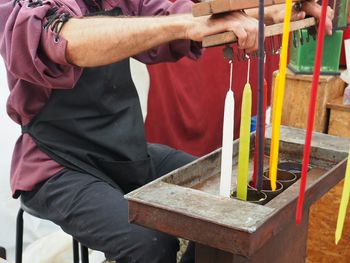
(241, 34)
(314, 10)
(297, 15)
(330, 13)
(247, 33)
(244, 27)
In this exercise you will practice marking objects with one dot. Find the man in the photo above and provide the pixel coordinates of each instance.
(83, 145)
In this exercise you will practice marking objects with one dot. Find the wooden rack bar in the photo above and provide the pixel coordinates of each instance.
(221, 6)
(272, 30)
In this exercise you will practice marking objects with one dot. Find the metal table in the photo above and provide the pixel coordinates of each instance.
(185, 203)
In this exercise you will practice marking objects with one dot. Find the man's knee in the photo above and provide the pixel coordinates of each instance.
(146, 246)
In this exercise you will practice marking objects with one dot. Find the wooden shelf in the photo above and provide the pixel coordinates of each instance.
(222, 6)
(337, 104)
(339, 118)
(272, 30)
(297, 96)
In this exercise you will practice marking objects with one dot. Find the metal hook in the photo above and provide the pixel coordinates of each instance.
(312, 31)
(228, 52)
(301, 37)
(272, 45)
(238, 55)
(316, 31)
(279, 41)
(256, 54)
(245, 55)
(307, 36)
(295, 43)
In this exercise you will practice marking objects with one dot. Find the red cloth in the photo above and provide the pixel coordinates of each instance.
(186, 99)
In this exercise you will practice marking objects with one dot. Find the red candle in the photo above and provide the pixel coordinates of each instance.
(310, 120)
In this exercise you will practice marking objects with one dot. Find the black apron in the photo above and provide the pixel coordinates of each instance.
(97, 128)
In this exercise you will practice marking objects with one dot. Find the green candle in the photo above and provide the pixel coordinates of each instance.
(244, 143)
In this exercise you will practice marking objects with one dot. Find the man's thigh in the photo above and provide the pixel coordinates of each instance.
(96, 214)
(166, 159)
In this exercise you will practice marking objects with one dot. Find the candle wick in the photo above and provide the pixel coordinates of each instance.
(248, 70)
(231, 70)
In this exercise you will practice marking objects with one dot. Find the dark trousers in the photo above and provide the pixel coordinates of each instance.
(96, 214)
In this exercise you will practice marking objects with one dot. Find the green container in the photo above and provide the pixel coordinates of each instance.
(301, 60)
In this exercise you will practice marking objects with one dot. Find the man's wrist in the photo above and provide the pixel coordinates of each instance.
(271, 14)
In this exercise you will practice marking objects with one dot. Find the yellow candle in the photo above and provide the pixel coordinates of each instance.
(274, 101)
(277, 113)
(343, 203)
(273, 120)
(244, 143)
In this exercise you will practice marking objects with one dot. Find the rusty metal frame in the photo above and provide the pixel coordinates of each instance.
(170, 205)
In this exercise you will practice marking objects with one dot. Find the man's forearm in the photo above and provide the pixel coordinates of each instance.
(96, 41)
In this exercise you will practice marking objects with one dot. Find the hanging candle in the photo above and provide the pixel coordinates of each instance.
(312, 106)
(244, 143)
(346, 188)
(277, 107)
(227, 142)
(343, 203)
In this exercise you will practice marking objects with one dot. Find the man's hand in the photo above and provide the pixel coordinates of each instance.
(314, 9)
(242, 25)
(310, 8)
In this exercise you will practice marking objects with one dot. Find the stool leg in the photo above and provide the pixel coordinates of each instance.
(84, 254)
(19, 236)
(2, 253)
(75, 251)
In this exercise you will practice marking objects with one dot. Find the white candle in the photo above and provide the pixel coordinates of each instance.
(227, 144)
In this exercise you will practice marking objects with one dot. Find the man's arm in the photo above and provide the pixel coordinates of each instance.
(96, 41)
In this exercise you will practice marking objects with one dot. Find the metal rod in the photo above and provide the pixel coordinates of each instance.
(19, 236)
(75, 251)
(84, 254)
(260, 114)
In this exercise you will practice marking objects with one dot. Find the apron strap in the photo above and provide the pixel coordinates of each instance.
(24, 129)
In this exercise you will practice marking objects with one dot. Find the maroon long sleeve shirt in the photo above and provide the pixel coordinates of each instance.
(34, 56)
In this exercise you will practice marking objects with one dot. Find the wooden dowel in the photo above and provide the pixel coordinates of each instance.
(221, 6)
(272, 30)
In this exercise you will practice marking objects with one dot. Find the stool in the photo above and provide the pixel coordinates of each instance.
(19, 238)
(2, 253)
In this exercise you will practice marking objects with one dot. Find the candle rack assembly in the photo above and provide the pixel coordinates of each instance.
(186, 203)
(222, 6)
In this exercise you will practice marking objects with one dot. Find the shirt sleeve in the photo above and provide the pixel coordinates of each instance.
(30, 42)
(173, 50)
